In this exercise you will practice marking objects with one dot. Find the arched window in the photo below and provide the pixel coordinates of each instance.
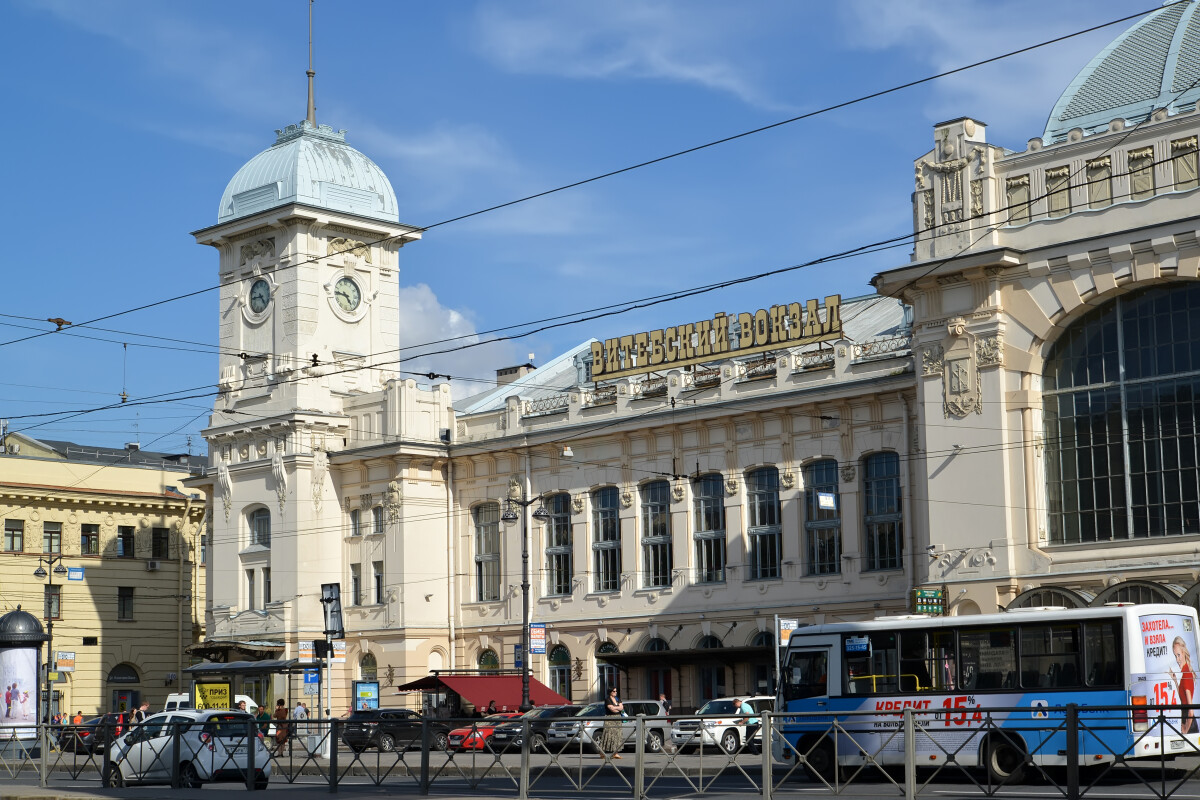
(368, 669)
(822, 518)
(762, 499)
(763, 668)
(656, 534)
(882, 525)
(708, 510)
(606, 674)
(658, 677)
(606, 540)
(763, 639)
(489, 661)
(560, 564)
(1136, 592)
(1049, 596)
(487, 551)
(260, 527)
(709, 643)
(1119, 389)
(123, 673)
(710, 675)
(560, 670)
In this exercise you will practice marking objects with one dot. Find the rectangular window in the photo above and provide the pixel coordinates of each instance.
(125, 541)
(709, 514)
(160, 543)
(355, 585)
(1099, 182)
(487, 552)
(762, 495)
(1018, 199)
(1141, 173)
(356, 522)
(560, 551)
(125, 603)
(51, 537)
(1183, 154)
(822, 518)
(881, 511)
(1103, 657)
(14, 535)
(928, 661)
(656, 534)
(1050, 657)
(89, 540)
(987, 659)
(1058, 190)
(260, 527)
(266, 582)
(203, 548)
(53, 602)
(377, 570)
(606, 540)
(870, 663)
(377, 519)
(251, 590)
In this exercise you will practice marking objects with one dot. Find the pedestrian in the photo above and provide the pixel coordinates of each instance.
(264, 721)
(300, 713)
(281, 725)
(611, 734)
(78, 719)
(491, 707)
(666, 703)
(241, 705)
(139, 716)
(752, 723)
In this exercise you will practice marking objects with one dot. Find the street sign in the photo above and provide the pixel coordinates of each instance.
(929, 601)
(518, 662)
(312, 676)
(537, 637)
(786, 626)
(74, 573)
(64, 660)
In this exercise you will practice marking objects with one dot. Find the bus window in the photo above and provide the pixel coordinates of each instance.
(914, 662)
(871, 666)
(942, 664)
(807, 675)
(1050, 657)
(987, 659)
(1102, 654)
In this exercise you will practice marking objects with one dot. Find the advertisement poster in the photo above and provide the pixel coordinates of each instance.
(366, 695)
(213, 695)
(18, 675)
(537, 637)
(1169, 646)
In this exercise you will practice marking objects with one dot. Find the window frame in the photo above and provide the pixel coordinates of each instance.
(52, 538)
(764, 528)
(821, 476)
(878, 557)
(487, 551)
(160, 543)
(258, 537)
(89, 539)
(657, 561)
(709, 525)
(126, 541)
(52, 601)
(606, 539)
(14, 536)
(560, 546)
(125, 607)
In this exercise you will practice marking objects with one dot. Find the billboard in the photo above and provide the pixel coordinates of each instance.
(1169, 647)
(366, 695)
(213, 694)
(19, 677)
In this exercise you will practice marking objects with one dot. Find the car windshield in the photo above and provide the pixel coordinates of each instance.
(719, 707)
(592, 710)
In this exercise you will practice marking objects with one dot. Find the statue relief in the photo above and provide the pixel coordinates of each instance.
(279, 473)
(224, 484)
(349, 247)
(259, 249)
(319, 470)
(962, 387)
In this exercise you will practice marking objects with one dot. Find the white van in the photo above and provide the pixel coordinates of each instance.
(180, 700)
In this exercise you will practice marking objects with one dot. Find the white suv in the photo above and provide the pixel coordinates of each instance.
(213, 746)
(727, 726)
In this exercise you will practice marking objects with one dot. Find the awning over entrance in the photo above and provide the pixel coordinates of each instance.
(479, 690)
(678, 659)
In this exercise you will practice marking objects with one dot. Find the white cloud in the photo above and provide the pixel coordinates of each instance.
(680, 43)
(432, 327)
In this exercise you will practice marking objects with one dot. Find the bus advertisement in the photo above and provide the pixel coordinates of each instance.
(991, 690)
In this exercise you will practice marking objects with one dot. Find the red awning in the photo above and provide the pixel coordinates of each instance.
(479, 690)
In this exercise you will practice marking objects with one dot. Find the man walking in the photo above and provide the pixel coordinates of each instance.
(140, 715)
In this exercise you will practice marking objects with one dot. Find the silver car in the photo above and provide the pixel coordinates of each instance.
(213, 746)
(584, 728)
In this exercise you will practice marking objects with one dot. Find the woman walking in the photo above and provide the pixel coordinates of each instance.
(281, 725)
(611, 735)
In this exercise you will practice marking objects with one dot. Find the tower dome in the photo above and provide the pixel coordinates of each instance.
(313, 165)
(1152, 65)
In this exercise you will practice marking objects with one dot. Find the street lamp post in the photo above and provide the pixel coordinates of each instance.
(510, 515)
(58, 569)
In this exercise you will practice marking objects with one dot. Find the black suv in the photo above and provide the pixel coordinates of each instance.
(391, 729)
(507, 736)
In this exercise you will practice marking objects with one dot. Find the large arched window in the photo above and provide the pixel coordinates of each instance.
(1052, 596)
(606, 674)
(710, 675)
(489, 661)
(1120, 392)
(560, 670)
(656, 534)
(1137, 592)
(260, 527)
(762, 499)
(123, 673)
(708, 505)
(560, 569)
(487, 551)
(606, 540)
(822, 518)
(884, 537)
(368, 668)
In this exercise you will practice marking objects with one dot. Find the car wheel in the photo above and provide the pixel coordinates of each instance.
(441, 740)
(260, 783)
(114, 779)
(730, 742)
(654, 741)
(188, 777)
(1005, 762)
(386, 743)
(537, 742)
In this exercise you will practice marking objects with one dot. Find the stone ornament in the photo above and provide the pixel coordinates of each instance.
(787, 480)
(962, 386)
(989, 352)
(848, 473)
(626, 498)
(366, 502)
(224, 484)
(931, 361)
(342, 245)
(577, 504)
(677, 493)
(394, 500)
(731, 486)
(279, 473)
(260, 249)
(319, 469)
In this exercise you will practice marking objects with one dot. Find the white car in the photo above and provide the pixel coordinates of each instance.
(213, 746)
(727, 726)
(585, 726)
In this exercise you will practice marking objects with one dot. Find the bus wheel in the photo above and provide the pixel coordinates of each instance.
(822, 761)
(1005, 762)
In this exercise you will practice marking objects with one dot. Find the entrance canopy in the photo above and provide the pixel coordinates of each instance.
(479, 690)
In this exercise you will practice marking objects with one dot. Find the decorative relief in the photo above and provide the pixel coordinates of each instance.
(366, 502)
(848, 473)
(626, 498)
(962, 387)
(224, 484)
(577, 504)
(989, 352)
(982, 558)
(319, 470)
(931, 360)
(350, 247)
(515, 491)
(259, 249)
(927, 209)
(786, 479)
(393, 500)
(462, 429)
(731, 486)
(279, 473)
(677, 493)
(977, 198)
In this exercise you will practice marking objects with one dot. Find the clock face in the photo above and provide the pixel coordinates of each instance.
(347, 294)
(260, 296)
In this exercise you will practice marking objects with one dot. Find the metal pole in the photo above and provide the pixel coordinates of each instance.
(768, 738)
(1072, 752)
(330, 745)
(910, 756)
(526, 656)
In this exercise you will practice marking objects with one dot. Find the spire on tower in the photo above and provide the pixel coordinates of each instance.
(312, 105)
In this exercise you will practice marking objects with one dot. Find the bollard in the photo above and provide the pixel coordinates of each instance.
(251, 752)
(910, 756)
(333, 755)
(425, 745)
(768, 740)
(639, 758)
(43, 751)
(1072, 752)
(177, 756)
(106, 764)
(526, 745)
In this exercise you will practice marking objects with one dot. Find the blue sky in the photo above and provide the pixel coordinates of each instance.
(128, 117)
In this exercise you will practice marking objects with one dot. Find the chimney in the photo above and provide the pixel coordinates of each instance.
(507, 375)
(133, 446)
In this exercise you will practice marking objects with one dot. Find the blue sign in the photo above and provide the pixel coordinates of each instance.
(517, 660)
(537, 638)
(312, 676)
(74, 573)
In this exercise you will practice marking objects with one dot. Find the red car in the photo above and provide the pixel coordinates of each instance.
(475, 737)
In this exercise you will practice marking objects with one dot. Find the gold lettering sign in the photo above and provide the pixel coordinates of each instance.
(780, 326)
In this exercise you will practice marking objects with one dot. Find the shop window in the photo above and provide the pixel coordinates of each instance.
(489, 661)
